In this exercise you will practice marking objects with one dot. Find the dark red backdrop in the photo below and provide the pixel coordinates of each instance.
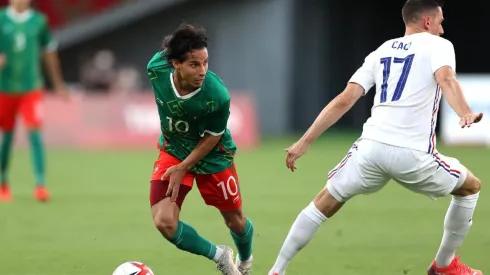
(60, 12)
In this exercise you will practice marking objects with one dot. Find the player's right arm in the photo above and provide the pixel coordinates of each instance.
(358, 85)
(443, 64)
(334, 111)
(213, 129)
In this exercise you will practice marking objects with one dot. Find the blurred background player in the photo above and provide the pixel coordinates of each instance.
(25, 38)
(398, 140)
(194, 107)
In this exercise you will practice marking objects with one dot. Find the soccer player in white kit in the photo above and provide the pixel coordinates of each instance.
(398, 141)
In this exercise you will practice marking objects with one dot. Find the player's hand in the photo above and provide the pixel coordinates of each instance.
(63, 92)
(294, 152)
(469, 119)
(174, 175)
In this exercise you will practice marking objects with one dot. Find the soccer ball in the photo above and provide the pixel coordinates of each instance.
(133, 268)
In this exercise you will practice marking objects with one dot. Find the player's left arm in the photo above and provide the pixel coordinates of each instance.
(214, 129)
(51, 59)
(443, 61)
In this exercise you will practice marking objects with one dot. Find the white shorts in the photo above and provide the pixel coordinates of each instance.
(369, 165)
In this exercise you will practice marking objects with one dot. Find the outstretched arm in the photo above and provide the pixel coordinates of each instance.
(328, 117)
(359, 84)
(334, 111)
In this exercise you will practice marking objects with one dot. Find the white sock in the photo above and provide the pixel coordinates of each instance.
(219, 252)
(244, 264)
(303, 229)
(456, 225)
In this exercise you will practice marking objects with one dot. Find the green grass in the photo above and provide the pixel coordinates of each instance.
(99, 217)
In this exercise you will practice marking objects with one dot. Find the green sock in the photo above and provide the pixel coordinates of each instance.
(187, 239)
(243, 241)
(5, 155)
(38, 160)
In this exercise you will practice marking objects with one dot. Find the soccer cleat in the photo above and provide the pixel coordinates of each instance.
(5, 194)
(244, 267)
(455, 268)
(225, 262)
(41, 194)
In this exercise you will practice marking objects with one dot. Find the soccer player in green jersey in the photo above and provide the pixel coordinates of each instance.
(195, 144)
(24, 36)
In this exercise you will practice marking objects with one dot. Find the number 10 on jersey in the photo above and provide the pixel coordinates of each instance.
(407, 65)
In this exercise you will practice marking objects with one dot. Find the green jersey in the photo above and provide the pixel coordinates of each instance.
(23, 38)
(185, 119)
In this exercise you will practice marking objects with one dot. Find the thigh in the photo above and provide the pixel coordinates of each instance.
(158, 188)
(434, 175)
(9, 105)
(221, 190)
(358, 173)
(31, 109)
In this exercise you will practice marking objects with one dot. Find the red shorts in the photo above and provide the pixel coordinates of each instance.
(220, 190)
(28, 105)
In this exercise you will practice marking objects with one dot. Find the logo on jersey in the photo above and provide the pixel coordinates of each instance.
(152, 75)
(210, 107)
(175, 106)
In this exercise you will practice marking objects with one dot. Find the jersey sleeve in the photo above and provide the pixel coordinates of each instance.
(46, 39)
(364, 76)
(443, 55)
(217, 121)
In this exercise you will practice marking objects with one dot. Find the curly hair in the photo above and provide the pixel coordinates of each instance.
(183, 40)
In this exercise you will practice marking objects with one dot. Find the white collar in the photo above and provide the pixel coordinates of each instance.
(19, 17)
(187, 96)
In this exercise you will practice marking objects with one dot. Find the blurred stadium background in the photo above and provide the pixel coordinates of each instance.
(282, 60)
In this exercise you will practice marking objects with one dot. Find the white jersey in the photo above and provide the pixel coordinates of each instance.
(407, 96)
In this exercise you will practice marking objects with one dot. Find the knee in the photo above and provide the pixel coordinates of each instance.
(475, 186)
(327, 204)
(471, 186)
(166, 225)
(236, 222)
